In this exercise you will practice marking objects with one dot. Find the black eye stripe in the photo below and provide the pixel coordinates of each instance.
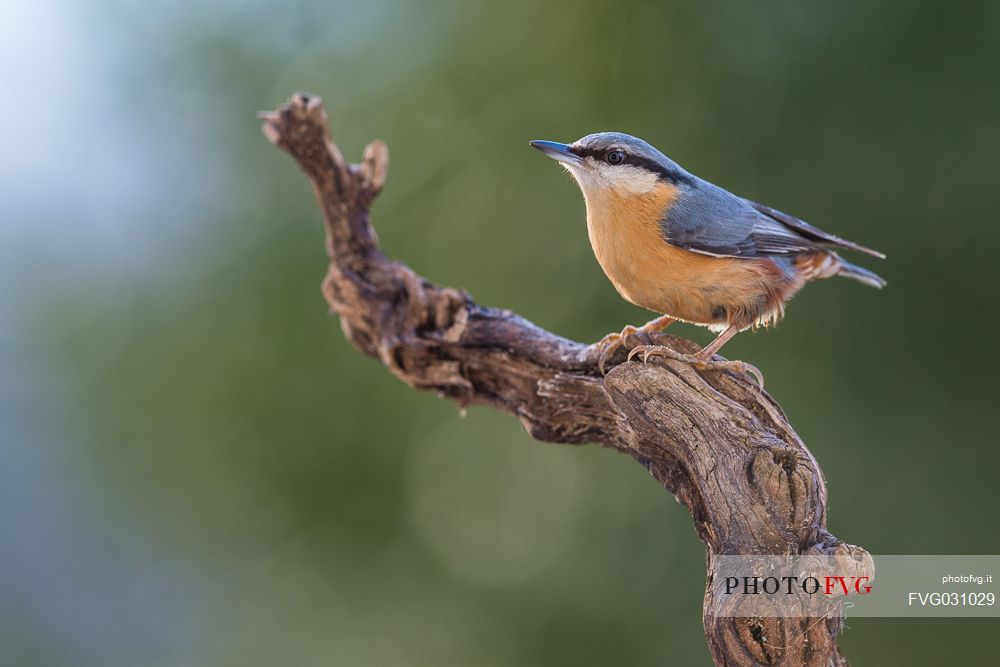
(662, 172)
(583, 152)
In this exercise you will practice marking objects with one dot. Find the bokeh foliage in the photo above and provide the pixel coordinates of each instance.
(197, 469)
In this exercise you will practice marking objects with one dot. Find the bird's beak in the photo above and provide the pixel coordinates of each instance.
(557, 151)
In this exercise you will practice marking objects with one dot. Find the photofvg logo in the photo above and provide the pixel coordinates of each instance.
(805, 586)
(907, 586)
(792, 585)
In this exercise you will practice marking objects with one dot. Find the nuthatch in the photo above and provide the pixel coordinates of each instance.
(678, 245)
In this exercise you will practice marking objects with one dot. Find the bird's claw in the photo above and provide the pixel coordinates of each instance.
(648, 352)
(611, 343)
(738, 367)
(651, 351)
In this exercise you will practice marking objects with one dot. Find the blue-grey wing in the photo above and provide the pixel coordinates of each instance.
(712, 221)
(805, 230)
(709, 220)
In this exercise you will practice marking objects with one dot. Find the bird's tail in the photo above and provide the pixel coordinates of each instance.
(854, 272)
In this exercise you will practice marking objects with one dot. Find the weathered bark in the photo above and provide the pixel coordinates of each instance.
(713, 439)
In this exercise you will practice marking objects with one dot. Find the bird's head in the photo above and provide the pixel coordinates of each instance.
(615, 162)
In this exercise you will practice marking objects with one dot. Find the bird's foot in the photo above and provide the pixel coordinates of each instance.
(647, 352)
(610, 344)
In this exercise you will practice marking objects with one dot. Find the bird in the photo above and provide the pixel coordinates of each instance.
(683, 247)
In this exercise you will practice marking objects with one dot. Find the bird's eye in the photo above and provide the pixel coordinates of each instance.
(615, 157)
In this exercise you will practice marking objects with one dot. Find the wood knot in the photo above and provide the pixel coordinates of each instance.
(451, 314)
(785, 482)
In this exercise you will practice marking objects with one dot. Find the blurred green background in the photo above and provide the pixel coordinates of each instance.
(196, 469)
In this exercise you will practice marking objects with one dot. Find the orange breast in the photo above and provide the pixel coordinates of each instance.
(625, 233)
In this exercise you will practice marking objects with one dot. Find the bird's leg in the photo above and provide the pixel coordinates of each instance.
(703, 358)
(613, 342)
(713, 348)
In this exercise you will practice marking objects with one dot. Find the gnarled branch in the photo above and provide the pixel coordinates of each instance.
(713, 439)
